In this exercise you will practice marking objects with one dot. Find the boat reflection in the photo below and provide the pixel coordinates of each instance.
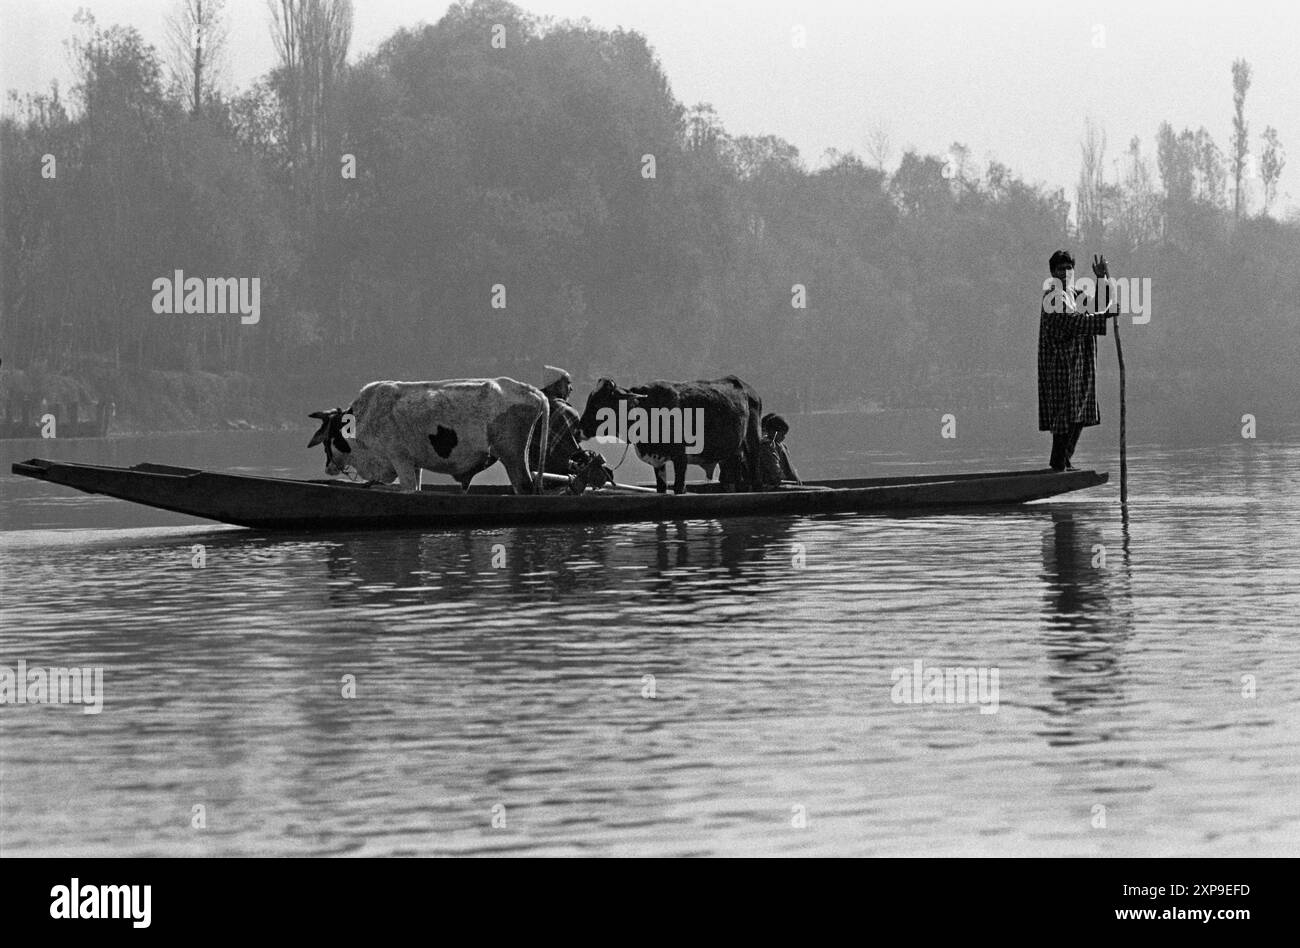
(546, 564)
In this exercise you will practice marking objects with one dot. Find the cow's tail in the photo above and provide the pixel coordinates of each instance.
(539, 478)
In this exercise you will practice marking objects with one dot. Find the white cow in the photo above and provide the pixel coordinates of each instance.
(457, 426)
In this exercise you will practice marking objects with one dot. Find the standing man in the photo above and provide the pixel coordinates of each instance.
(1067, 356)
(564, 433)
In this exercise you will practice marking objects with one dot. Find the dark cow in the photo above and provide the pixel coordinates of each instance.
(732, 410)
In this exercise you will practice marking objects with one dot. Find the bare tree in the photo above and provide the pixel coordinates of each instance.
(957, 166)
(311, 38)
(1240, 139)
(879, 146)
(196, 37)
(703, 128)
(1140, 207)
(1207, 162)
(1091, 213)
(1271, 162)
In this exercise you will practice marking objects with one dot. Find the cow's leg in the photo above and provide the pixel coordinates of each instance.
(517, 471)
(730, 475)
(508, 441)
(661, 484)
(679, 475)
(472, 473)
(749, 459)
(408, 474)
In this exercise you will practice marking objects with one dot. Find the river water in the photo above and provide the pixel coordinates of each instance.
(701, 687)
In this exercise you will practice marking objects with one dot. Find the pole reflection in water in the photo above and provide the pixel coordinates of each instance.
(1084, 628)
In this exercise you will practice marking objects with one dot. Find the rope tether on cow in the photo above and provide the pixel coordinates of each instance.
(626, 445)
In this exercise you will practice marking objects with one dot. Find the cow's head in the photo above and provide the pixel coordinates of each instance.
(606, 395)
(342, 454)
(330, 434)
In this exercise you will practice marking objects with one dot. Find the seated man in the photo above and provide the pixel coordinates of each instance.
(773, 459)
(565, 432)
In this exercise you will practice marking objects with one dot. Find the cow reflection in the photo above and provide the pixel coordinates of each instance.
(405, 566)
(551, 563)
(685, 551)
(465, 564)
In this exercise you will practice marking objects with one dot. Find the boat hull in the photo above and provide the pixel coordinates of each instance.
(272, 503)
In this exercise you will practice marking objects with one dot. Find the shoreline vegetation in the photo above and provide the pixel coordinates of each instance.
(448, 206)
(153, 402)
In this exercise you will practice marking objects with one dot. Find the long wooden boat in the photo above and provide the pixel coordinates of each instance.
(275, 503)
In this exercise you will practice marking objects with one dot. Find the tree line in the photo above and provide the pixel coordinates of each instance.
(498, 191)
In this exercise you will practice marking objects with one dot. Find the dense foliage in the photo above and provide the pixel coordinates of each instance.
(525, 167)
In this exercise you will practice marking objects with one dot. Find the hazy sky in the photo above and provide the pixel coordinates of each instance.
(1011, 80)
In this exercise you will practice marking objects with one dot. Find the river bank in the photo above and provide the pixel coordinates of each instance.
(176, 402)
(154, 401)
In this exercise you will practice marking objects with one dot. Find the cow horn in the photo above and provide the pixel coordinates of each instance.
(326, 422)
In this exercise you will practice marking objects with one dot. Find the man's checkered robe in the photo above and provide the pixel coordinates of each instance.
(1067, 364)
(562, 440)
